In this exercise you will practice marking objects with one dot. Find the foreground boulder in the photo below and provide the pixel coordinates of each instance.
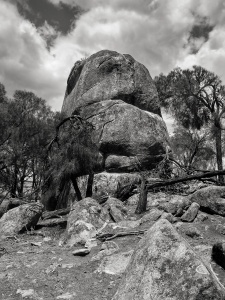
(211, 199)
(117, 94)
(164, 266)
(84, 221)
(20, 218)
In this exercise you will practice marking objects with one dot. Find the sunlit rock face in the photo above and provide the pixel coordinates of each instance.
(118, 96)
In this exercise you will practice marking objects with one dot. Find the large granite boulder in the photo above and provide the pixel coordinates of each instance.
(110, 75)
(211, 199)
(118, 96)
(20, 218)
(164, 266)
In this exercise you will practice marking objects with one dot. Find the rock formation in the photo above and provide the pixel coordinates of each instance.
(211, 199)
(20, 218)
(164, 266)
(118, 96)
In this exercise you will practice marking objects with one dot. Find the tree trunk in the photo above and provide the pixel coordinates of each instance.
(62, 197)
(89, 185)
(142, 203)
(219, 155)
(76, 188)
(14, 183)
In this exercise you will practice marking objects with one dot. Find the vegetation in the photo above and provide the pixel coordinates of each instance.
(195, 97)
(26, 125)
(72, 154)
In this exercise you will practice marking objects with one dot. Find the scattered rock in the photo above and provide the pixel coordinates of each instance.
(164, 266)
(211, 199)
(116, 209)
(179, 212)
(133, 200)
(192, 231)
(220, 228)
(218, 254)
(81, 252)
(107, 248)
(67, 296)
(152, 216)
(20, 218)
(85, 219)
(201, 217)
(128, 223)
(168, 207)
(169, 217)
(191, 213)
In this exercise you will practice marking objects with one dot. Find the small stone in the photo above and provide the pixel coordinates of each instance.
(81, 252)
(152, 216)
(169, 217)
(220, 228)
(191, 213)
(201, 217)
(192, 232)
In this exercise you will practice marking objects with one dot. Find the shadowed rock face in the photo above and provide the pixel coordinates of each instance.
(118, 96)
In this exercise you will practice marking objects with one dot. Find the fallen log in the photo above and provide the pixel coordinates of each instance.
(55, 213)
(186, 178)
(109, 236)
(52, 222)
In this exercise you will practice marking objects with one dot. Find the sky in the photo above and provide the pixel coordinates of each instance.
(40, 40)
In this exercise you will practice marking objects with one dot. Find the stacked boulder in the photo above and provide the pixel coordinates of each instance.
(118, 96)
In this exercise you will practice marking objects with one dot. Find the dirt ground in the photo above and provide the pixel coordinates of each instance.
(34, 266)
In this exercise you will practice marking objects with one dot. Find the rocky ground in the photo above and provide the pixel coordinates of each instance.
(34, 266)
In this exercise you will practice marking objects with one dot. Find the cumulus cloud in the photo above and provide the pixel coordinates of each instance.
(155, 32)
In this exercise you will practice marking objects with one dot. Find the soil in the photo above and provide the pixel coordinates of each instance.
(34, 266)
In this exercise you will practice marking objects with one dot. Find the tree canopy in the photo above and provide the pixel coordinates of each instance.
(195, 97)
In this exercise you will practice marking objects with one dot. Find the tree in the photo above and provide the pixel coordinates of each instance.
(72, 153)
(192, 148)
(27, 126)
(195, 97)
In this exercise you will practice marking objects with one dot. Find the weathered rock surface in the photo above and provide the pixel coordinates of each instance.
(152, 216)
(189, 230)
(164, 266)
(191, 213)
(118, 96)
(211, 199)
(84, 221)
(116, 209)
(7, 204)
(110, 75)
(20, 218)
(169, 217)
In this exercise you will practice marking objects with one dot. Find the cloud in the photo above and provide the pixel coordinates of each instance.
(155, 32)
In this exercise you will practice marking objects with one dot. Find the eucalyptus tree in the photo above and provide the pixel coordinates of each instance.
(195, 97)
(28, 122)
